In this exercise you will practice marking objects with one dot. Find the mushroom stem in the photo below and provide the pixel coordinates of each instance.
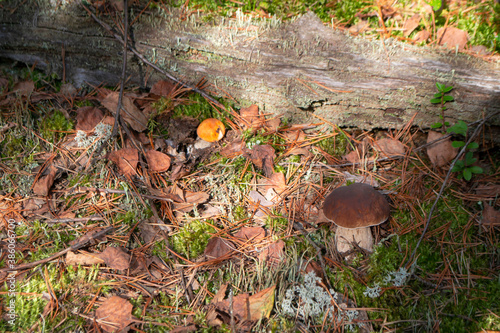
(362, 236)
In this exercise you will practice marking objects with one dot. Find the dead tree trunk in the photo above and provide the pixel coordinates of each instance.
(300, 69)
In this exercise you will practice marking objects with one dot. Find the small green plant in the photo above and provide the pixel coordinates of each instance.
(464, 167)
(442, 98)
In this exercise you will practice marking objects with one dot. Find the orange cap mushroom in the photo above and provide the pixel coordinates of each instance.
(211, 130)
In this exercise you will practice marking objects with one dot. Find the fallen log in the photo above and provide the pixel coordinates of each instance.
(301, 69)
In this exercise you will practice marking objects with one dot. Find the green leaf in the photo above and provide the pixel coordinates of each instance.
(438, 95)
(440, 86)
(476, 169)
(473, 145)
(467, 174)
(448, 89)
(448, 98)
(459, 128)
(436, 100)
(436, 125)
(459, 166)
(457, 144)
(446, 123)
(469, 158)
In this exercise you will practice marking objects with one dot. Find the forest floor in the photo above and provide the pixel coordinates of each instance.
(158, 230)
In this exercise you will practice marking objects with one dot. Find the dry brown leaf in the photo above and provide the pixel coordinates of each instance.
(148, 231)
(115, 258)
(262, 156)
(389, 147)
(261, 303)
(276, 181)
(247, 309)
(491, 216)
(191, 199)
(421, 36)
(257, 201)
(442, 152)
(218, 247)
(255, 234)
(273, 253)
(83, 258)
(359, 27)
(411, 24)
(157, 161)
(480, 50)
(352, 157)
(126, 159)
(115, 314)
(233, 149)
(4, 84)
(273, 124)
(452, 37)
(162, 88)
(132, 115)
(251, 117)
(24, 88)
(87, 118)
(294, 136)
(488, 190)
(43, 184)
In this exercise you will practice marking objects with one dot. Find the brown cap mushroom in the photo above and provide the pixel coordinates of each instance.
(354, 209)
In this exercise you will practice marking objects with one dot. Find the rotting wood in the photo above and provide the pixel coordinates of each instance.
(299, 69)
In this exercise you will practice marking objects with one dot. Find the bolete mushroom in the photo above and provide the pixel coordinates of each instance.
(354, 209)
(211, 130)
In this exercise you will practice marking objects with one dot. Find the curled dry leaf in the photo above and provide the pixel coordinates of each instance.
(442, 152)
(273, 253)
(83, 258)
(276, 181)
(43, 184)
(491, 216)
(255, 234)
(191, 199)
(157, 161)
(87, 118)
(115, 258)
(421, 36)
(252, 308)
(218, 247)
(162, 88)
(262, 156)
(250, 115)
(24, 88)
(132, 115)
(352, 157)
(452, 37)
(411, 24)
(389, 147)
(115, 314)
(233, 148)
(126, 159)
(259, 200)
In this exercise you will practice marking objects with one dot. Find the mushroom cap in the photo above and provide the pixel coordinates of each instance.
(211, 130)
(356, 206)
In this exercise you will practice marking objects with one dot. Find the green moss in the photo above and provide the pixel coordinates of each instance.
(335, 146)
(191, 240)
(29, 304)
(54, 125)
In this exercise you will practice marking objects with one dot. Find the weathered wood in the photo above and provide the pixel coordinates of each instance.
(300, 69)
